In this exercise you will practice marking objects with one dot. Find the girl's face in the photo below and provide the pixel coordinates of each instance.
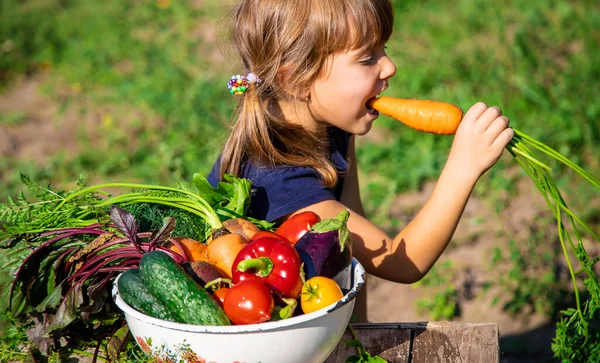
(339, 97)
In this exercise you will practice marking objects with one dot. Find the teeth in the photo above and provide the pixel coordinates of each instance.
(369, 108)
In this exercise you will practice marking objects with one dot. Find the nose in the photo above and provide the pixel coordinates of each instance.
(388, 68)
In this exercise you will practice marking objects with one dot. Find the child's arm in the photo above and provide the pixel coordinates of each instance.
(407, 257)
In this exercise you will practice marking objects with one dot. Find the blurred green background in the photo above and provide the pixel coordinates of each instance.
(122, 90)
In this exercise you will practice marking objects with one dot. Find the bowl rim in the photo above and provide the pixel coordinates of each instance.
(358, 279)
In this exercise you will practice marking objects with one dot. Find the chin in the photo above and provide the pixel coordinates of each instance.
(364, 129)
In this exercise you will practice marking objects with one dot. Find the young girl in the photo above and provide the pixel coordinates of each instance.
(314, 65)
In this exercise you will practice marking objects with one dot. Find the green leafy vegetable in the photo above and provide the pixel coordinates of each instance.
(60, 252)
(229, 200)
(150, 216)
(362, 356)
(63, 284)
(10, 260)
(198, 208)
(231, 196)
(22, 216)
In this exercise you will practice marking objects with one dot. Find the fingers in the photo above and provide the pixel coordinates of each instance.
(503, 139)
(497, 126)
(482, 116)
(474, 112)
(485, 120)
(481, 138)
(497, 131)
(490, 124)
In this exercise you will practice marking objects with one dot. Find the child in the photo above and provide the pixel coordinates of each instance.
(314, 65)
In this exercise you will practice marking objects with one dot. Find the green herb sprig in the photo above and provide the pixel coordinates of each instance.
(362, 355)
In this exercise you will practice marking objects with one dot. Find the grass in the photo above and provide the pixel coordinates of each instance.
(534, 60)
(151, 63)
(145, 87)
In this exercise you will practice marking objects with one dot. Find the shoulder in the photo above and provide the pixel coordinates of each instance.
(280, 191)
(214, 174)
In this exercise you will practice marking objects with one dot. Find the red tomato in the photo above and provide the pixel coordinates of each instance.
(220, 294)
(297, 225)
(248, 302)
(261, 234)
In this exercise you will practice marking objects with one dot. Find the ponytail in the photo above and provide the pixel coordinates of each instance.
(249, 125)
(262, 137)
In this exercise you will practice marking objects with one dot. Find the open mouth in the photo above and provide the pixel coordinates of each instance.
(370, 109)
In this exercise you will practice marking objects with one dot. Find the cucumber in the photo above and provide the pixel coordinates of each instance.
(136, 294)
(178, 291)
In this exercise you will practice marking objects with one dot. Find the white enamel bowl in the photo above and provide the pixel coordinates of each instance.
(307, 338)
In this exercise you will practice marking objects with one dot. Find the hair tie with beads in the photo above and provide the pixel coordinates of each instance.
(239, 84)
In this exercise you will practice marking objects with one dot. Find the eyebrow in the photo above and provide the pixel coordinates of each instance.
(361, 52)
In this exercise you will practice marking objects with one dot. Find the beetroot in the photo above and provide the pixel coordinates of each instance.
(203, 272)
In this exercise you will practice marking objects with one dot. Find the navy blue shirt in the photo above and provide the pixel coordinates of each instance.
(281, 190)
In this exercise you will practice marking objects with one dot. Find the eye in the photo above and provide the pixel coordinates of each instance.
(369, 62)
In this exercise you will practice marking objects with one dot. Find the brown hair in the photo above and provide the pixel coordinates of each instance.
(287, 43)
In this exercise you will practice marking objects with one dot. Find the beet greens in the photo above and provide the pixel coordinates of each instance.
(64, 284)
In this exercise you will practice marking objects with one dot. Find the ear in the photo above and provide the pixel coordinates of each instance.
(304, 95)
(299, 92)
(302, 92)
(295, 91)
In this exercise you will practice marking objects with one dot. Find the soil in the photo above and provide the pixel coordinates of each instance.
(469, 254)
(525, 338)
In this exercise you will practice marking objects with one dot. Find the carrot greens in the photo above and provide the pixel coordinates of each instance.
(578, 331)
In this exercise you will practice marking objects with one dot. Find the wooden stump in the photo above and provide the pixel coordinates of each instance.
(427, 342)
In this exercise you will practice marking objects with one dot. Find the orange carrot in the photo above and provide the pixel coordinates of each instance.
(423, 115)
(195, 250)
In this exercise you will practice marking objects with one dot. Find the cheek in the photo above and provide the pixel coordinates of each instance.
(361, 85)
(340, 102)
(350, 88)
(348, 82)
(343, 96)
(355, 94)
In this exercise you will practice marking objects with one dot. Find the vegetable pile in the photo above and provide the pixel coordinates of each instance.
(578, 332)
(62, 253)
(257, 276)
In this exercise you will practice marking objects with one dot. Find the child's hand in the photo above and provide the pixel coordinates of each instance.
(480, 139)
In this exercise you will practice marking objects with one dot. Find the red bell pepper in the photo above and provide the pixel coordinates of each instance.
(272, 260)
